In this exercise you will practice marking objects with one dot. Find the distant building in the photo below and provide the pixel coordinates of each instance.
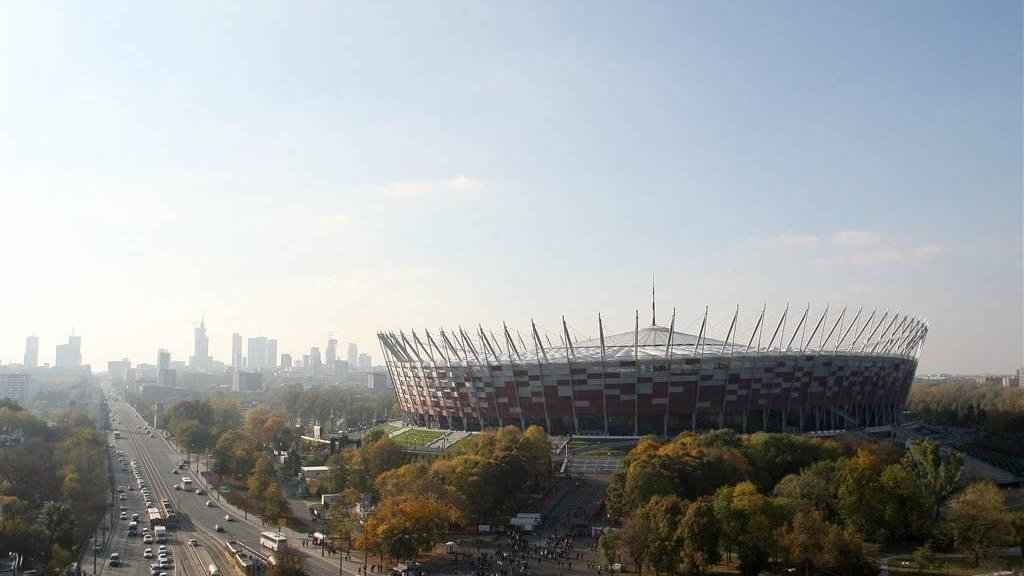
(17, 386)
(353, 356)
(32, 352)
(247, 381)
(314, 363)
(257, 353)
(365, 363)
(341, 370)
(236, 350)
(313, 472)
(378, 381)
(286, 361)
(272, 353)
(201, 350)
(167, 377)
(331, 355)
(163, 359)
(69, 355)
(118, 371)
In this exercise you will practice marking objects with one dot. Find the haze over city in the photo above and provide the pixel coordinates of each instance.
(290, 171)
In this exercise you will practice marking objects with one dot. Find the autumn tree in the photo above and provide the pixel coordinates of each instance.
(979, 519)
(699, 532)
(289, 562)
(404, 526)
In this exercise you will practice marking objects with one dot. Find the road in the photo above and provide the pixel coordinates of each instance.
(157, 461)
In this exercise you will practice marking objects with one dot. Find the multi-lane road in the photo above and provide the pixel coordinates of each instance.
(157, 462)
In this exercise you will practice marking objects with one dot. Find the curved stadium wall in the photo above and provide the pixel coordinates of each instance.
(654, 380)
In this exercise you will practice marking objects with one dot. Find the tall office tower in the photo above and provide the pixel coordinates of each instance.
(365, 363)
(353, 356)
(70, 355)
(200, 359)
(331, 355)
(257, 353)
(314, 361)
(31, 352)
(163, 359)
(272, 353)
(286, 361)
(236, 350)
(118, 370)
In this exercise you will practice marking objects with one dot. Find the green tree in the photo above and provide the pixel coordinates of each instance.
(635, 538)
(905, 506)
(58, 523)
(939, 476)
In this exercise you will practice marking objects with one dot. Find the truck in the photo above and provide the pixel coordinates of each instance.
(160, 533)
(186, 483)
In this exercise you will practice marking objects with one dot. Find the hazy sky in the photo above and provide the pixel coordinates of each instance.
(298, 168)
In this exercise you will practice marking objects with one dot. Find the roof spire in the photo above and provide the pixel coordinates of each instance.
(654, 315)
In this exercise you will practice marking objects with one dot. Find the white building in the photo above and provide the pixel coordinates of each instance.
(17, 386)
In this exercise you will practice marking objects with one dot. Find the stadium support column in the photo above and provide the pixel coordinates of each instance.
(538, 352)
(636, 377)
(696, 402)
(668, 370)
(604, 385)
(515, 379)
(572, 385)
(753, 368)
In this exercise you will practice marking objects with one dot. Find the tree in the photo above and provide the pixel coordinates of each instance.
(288, 562)
(274, 502)
(664, 514)
(260, 479)
(748, 520)
(803, 539)
(608, 547)
(979, 519)
(905, 505)
(939, 476)
(699, 532)
(404, 526)
(342, 520)
(1017, 529)
(337, 477)
(859, 487)
(635, 538)
(812, 489)
(58, 523)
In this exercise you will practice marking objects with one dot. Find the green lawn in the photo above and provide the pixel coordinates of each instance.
(418, 437)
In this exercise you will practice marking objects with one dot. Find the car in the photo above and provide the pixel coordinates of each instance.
(164, 564)
(124, 508)
(131, 488)
(199, 492)
(616, 567)
(175, 471)
(122, 497)
(115, 559)
(147, 553)
(163, 557)
(193, 542)
(154, 568)
(177, 486)
(162, 549)
(228, 518)
(218, 528)
(209, 504)
(145, 530)
(124, 516)
(147, 539)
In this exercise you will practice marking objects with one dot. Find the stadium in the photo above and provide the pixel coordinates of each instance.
(797, 373)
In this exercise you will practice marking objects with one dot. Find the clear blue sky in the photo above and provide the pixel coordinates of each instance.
(298, 168)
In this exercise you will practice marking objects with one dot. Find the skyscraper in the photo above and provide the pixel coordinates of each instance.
(331, 355)
(257, 353)
(286, 361)
(272, 353)
(31, 352)
(314, 361)
(365, 363)
(163, 359)
(236, 350)
(353, 356)
(200, 359)
(70, 355)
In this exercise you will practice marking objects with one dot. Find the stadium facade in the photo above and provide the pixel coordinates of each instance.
(848, 371)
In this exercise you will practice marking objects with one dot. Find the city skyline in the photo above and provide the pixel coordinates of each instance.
(449, 162)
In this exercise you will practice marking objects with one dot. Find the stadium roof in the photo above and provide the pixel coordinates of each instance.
(862, 334)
